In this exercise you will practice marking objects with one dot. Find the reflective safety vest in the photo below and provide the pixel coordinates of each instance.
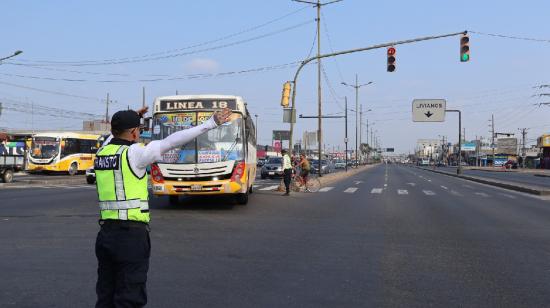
(122, 194)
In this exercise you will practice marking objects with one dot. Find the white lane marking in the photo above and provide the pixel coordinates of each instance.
(269, 187)
(376, 191)
(428, 192)
(325, 189)
(385, 185)
(456, 193)
(482, 194)
(444, 187)
(467, 186)
(508, 196)
(402, 192)
(412, 184)
(428, 180)
(351, 190)
(358, 182)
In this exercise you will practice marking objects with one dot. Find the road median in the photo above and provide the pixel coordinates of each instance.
(530, 189)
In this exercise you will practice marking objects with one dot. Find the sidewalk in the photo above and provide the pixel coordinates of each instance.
(531, 189)
(537, 172)
(24, 178)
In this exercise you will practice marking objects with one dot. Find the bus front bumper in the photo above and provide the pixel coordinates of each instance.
(197, 188)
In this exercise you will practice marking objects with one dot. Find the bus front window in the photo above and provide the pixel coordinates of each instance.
(222, 143)
(44, 148)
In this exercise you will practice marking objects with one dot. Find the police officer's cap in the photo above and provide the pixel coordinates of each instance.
(125, 119)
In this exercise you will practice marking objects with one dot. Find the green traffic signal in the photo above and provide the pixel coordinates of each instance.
(465, 57)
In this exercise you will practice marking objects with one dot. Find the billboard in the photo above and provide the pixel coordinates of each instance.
(468, 147)
(281, 135)
(507, 146)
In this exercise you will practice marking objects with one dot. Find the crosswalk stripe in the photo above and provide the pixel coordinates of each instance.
(402, 192)
(376, 191)
(444, 187)
(428, 192)
(325, 189)
(269, 187)
(351, 190)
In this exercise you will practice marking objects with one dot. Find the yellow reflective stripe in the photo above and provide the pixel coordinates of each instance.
(124, 205)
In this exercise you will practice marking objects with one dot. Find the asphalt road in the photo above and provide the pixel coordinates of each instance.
(516, 177)
(393, 236)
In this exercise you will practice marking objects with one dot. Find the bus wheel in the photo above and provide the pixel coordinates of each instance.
(7, 176)
(73, 169)
(242, 199)
(251, 189)
(173, 199)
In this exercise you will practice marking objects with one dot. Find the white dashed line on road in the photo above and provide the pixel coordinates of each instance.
(428, 192)
(402, 192)
(351, 190)
(456, 193)
(482, 194)
(508, 196)
(325, 189)
(376, 191)
(412, 184)
(444, 187)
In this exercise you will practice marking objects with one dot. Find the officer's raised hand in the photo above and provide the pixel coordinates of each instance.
(223, 116)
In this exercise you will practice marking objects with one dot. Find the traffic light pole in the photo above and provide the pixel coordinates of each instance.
(334, 54)
(459, 167)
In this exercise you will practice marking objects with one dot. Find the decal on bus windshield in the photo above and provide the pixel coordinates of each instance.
(197, 104)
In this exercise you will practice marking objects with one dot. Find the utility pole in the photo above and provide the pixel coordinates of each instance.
(360, 131)
(318, 5)
(368, 144)
(143, 97)
(256, 133)
(523, 148)
(346, 132)
(107, 109)
(493, 145)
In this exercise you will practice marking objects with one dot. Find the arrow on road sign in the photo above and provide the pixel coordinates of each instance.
(429, 114)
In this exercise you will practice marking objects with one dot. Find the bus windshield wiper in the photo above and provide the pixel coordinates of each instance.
(232, 148)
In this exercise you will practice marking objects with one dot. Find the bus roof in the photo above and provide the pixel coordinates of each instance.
(199, 96)
(68, 135)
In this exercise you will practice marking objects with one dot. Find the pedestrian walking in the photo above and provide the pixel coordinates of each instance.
(287, 171)
(123, 245)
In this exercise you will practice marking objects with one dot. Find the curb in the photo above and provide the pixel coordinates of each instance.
(506, 185)
(17, 182)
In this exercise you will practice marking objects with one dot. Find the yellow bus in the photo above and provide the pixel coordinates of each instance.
(221, 161)
(62, 152)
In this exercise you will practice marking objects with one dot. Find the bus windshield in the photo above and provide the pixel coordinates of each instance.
(220, 144)
(44, 147)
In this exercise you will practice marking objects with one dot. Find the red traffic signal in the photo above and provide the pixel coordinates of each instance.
(391, 59)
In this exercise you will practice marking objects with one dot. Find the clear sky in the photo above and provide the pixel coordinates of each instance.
(89, 49)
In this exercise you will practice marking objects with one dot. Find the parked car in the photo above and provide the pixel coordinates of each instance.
(340, 164)
(90, 175)
(260, 162)
(326, 166)
(511, 164)
(273, 167)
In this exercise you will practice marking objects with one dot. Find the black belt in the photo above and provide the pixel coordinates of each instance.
(116, 223)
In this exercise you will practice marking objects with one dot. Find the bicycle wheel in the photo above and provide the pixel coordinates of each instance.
(295, 184)
(313, 184)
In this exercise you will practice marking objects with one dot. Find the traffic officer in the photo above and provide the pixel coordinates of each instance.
(123, 246)
(287, 171)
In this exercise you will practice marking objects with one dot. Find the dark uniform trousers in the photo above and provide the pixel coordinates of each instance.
(287, 178)
(123, 249)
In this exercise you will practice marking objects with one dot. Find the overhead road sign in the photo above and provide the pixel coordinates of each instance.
(428, 110)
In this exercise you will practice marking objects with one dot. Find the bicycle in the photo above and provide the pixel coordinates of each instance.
(297, 183)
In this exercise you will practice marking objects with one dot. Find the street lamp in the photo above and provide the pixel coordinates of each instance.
(356, 87)
(16, 53)
(256, 132)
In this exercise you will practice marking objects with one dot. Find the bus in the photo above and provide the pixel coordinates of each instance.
(222, 161)
(62, 152)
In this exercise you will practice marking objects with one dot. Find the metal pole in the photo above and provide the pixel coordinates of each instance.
(493, 137)
(356, 120)
(256, 116)
(320, 121)
(143, 97)
(306, 61)
(459, 167)
(346, 133)
(368, 144)
(107, 109)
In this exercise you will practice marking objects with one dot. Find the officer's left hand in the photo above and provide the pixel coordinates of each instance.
(223, 116)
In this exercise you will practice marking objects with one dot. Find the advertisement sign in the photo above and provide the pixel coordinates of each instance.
(281, 135)
(209, 156)
(468, 147)
(507, 146)
(277, 145)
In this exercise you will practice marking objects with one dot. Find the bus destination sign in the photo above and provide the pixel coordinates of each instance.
(206, 104)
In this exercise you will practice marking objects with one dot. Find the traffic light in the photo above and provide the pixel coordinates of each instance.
(286, 94)
(391, 59)
(465, 48)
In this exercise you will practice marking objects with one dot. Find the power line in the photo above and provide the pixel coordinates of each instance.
(53, 63)
(246, 30)
(183, 77)
(511, 37)
(330, 46)
(50, 92)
